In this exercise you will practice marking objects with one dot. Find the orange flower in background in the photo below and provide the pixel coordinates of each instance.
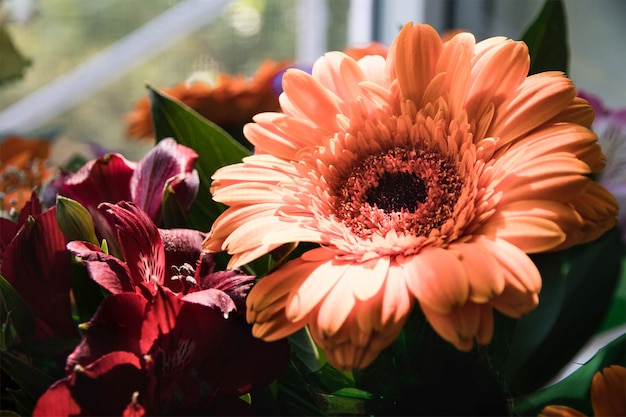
(22, 169)
(425, 177)
(608, 396)
(230, 102)
(372, 48)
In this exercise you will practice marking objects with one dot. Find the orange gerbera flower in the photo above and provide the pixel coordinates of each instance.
(22, 169)
(608, 396)
(426, 176)
(230, 103)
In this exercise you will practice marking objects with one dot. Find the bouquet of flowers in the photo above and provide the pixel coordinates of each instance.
(428, 228)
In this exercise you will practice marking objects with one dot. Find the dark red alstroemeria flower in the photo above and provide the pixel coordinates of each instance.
(173, 357)
(35, 261)
(112, 178)
(152, 257)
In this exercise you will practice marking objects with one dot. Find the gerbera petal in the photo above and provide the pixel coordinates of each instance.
(246, 193)
(250, 172)
(560, 411)
(301, 133)
(531, 234)
(336, 306)
(455, 63)
(559, 178)
(266, 136)
(578, 111)
(372, 274)
(519, 270)
(539, 98)
(417, 51)
(540, 169)
(523, 281)
(495, 75)
(599, 210)
(306, 97)
(276, 285)
(340, 74)
(397, 302)
(231, 219)
(268, 230)
(437, 279)
(607, 391)
(373, 66)
(515, 302)
(459, 327)
(484, 274)
(241, 258)
(562, 138)
(277, 328)
(485, 328)
(315, 287)
(564, 215)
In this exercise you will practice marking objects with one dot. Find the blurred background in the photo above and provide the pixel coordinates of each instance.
(91, 59)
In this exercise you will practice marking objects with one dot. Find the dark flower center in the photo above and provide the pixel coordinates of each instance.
(396, 192)
(409, 190)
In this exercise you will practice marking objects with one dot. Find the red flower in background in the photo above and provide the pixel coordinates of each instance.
(172, 339)
(34, 260)
(112, 178)
(144, 263)
(163, 357)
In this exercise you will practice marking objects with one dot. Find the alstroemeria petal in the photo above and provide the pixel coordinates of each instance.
(37, 264)
(166, 160)
(116, 325)
(185, 332)
(212, 298)
(185, 187)
(106, 270)
(139, 240)
(105, 179)
(118, 374)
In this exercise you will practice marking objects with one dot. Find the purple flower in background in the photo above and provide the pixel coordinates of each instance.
(610, 126)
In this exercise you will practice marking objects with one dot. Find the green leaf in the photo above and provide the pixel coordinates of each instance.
(13, 64)
(353, 393)
(546, 38)
(50, 348)
(572, 307)
(75, 221)
(303, 346)
(417, 371)
(616, 315)
(214, 146)
(573, 391)
(31, 380)
(87, 293)
(23, 404)
(14, 310)
(346, 401)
